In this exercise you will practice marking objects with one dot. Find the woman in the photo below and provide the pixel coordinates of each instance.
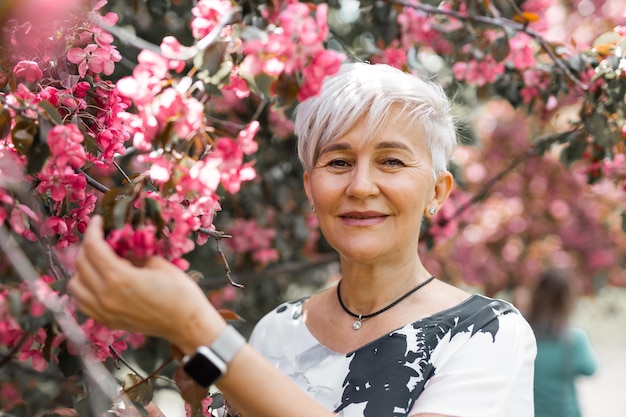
(389, 340)
(563, 352)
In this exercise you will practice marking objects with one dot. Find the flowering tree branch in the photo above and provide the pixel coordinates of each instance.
(501, 22)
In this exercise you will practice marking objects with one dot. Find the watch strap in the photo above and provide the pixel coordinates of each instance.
(228, 344)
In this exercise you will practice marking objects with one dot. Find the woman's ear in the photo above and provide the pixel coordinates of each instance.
(306, 180)
(443, 188)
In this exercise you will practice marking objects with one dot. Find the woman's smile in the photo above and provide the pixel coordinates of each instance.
(362, 218)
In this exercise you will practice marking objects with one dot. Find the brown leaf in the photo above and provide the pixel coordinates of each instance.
(137, 389)
(230, 315)
(5, 123)
(192, 393)
(177, 353)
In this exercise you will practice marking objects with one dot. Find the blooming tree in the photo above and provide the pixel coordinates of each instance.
(178, 133)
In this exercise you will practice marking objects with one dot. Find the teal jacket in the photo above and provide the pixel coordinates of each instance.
(558, 363)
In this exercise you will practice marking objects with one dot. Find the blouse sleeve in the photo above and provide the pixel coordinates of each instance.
(584, 358)
(483, 373)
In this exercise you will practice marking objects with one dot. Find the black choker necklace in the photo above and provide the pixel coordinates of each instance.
(360, 317)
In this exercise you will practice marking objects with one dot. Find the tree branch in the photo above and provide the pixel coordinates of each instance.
(502, 23)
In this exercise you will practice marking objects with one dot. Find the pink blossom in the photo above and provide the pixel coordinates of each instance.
(10, 395)
(170, 47)
(54, 225)
(296, 46)
(392, 55)
(601, 258)
(245, 139)
(101, 339)
(10, 331)
(248, 236)
(265, 255)
(93, 58)
(19, 221)
(11, 166)
(203, 175)
(137, 243)
(135, 340)
(478, 72)
(208, 14)
(140, 89)
(324, 63)
(61, 183)
(205, 404)
(65, 143)
(29, 70)
(160, 170)
(281, 125)
(232, 169)
(237, 87)
(187, 113)
(522, 54)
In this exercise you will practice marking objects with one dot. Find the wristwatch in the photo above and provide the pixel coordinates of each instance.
(208, 363)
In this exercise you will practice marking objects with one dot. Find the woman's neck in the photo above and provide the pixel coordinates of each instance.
(366, 288)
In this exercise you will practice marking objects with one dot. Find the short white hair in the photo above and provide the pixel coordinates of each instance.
(372, 92)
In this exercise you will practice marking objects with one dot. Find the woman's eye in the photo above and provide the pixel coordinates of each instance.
(338, 163)
(394, 162)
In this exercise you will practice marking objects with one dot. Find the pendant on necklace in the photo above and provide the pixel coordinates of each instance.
(357, 324)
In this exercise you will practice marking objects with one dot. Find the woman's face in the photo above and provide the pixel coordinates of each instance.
(370, 194)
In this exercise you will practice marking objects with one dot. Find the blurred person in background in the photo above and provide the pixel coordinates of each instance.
(563, 352)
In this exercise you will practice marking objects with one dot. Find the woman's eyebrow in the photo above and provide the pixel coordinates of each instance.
(338, 146)
(392, 145)
(343, 146)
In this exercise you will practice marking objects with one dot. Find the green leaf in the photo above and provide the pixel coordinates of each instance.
(37, 156)
(153, 212)
(23, 135)
(212, 57)
(91, 145)
(52, 111)
(577, 144)
(500, 48)
(120, 211)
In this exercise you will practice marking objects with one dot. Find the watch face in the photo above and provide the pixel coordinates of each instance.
(204, 367)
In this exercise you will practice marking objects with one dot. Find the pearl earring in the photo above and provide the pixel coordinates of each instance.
(313, 208)
(432, 211)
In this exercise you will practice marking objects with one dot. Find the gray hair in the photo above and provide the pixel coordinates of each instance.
(370, 92)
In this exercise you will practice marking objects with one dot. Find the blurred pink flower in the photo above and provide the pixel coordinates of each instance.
(29, 70)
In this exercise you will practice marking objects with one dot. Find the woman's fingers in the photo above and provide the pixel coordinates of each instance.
(98, 253)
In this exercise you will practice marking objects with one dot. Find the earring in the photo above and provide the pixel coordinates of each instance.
(313, 208)
(432, 211)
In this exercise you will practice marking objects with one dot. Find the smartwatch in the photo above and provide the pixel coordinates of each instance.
(208, 363)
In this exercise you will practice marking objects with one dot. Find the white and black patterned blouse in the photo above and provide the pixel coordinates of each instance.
(472, 360)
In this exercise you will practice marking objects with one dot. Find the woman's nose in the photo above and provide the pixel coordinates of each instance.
(362, 182)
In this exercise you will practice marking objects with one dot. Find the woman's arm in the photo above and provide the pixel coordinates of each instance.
(158, 299)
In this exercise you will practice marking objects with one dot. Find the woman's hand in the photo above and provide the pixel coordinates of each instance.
(156, 299)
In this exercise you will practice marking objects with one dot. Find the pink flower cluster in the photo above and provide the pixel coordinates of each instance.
(93, 50)
(297, 44)
(42, 345)
(478, 72)
(249, 237)
(207, 15)
(157, 107)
